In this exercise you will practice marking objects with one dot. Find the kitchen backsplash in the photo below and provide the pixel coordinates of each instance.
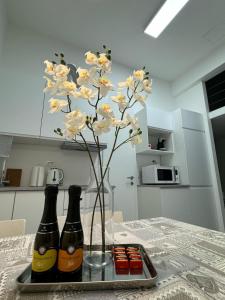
(75, 164)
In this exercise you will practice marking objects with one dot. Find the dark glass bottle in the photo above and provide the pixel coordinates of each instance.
(70, 257)
(46, 244)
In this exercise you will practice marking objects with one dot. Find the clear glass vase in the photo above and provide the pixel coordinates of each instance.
(98, 218)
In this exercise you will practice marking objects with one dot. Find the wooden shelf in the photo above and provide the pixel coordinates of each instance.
(155, 152)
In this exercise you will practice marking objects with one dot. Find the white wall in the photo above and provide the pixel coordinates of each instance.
(3, 23)
(21, 85)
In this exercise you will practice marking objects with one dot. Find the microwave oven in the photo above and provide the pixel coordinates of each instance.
(156, 174)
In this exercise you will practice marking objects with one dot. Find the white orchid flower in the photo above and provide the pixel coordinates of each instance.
(91, 58)
(84, 76)
(51, 86)
(49, 69)
(76, 119)
(133, 121)
(136, 138)
(105, 85)
(57, 104)
(140, 98)
(147, 85)
(104, 63)
(66, 88)
(61, 72)
(85, 93)
(119, 123)
(102, 126)
(139, 74)
(128, 83)
(105, 110)
(120, 99)
(71, 131)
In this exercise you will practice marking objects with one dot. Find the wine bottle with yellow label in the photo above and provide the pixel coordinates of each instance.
(46, 244)
(70, 257)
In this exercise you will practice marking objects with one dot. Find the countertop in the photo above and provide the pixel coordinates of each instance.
(32, 188)
(36, 188)
(165, 186)
(189, 261)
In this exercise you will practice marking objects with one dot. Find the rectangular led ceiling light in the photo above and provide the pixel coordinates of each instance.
(164, 16)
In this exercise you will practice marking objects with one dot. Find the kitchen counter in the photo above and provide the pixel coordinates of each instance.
(32, 188)
(165, 186)
(35, 188)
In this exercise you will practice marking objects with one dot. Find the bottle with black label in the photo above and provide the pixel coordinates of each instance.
(46, 244)
(70, 257)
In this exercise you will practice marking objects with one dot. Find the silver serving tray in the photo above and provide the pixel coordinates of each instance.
(95, 278)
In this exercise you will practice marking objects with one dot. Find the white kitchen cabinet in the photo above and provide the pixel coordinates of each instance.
(149, 202)
(196, 154)
(159, 119)
(191, 154)
(6, 204)
(193, 205)
(152, 131)
(30, 205)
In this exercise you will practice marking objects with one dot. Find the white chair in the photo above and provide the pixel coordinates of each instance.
(117, 217)
(12, 227)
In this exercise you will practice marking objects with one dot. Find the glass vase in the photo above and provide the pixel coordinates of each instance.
(98, 218)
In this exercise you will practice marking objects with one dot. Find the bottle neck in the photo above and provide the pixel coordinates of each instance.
(49, 214)
(73, 214)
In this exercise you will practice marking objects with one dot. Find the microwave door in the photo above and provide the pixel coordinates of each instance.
(165, 175)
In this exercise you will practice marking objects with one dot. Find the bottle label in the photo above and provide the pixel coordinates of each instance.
(70, 260)
(43, 259)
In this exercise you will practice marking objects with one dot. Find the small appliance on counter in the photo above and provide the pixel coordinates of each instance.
(37, 176)
(156, 174)
(55, 176)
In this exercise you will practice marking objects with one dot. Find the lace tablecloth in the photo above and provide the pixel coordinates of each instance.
(190, 261)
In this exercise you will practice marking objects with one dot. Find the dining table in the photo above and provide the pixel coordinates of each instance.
(190, 262)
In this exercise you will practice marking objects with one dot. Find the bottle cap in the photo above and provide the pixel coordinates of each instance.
(75, 190)
(51, 189)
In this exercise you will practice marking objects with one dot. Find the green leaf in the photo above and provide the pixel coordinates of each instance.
(61, 54)
(109, 51)
(130, 131)
(104, 46)
(62, 61)
(54, 63)
(56, 54)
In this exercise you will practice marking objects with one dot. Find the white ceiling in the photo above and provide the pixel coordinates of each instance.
(195, 32)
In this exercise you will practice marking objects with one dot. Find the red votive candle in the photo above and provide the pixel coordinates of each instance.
(136, 264)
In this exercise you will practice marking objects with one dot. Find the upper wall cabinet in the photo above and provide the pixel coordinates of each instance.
(159, 118)
(191, 150)
(21, 97)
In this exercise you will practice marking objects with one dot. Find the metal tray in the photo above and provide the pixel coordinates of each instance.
(95, 278)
